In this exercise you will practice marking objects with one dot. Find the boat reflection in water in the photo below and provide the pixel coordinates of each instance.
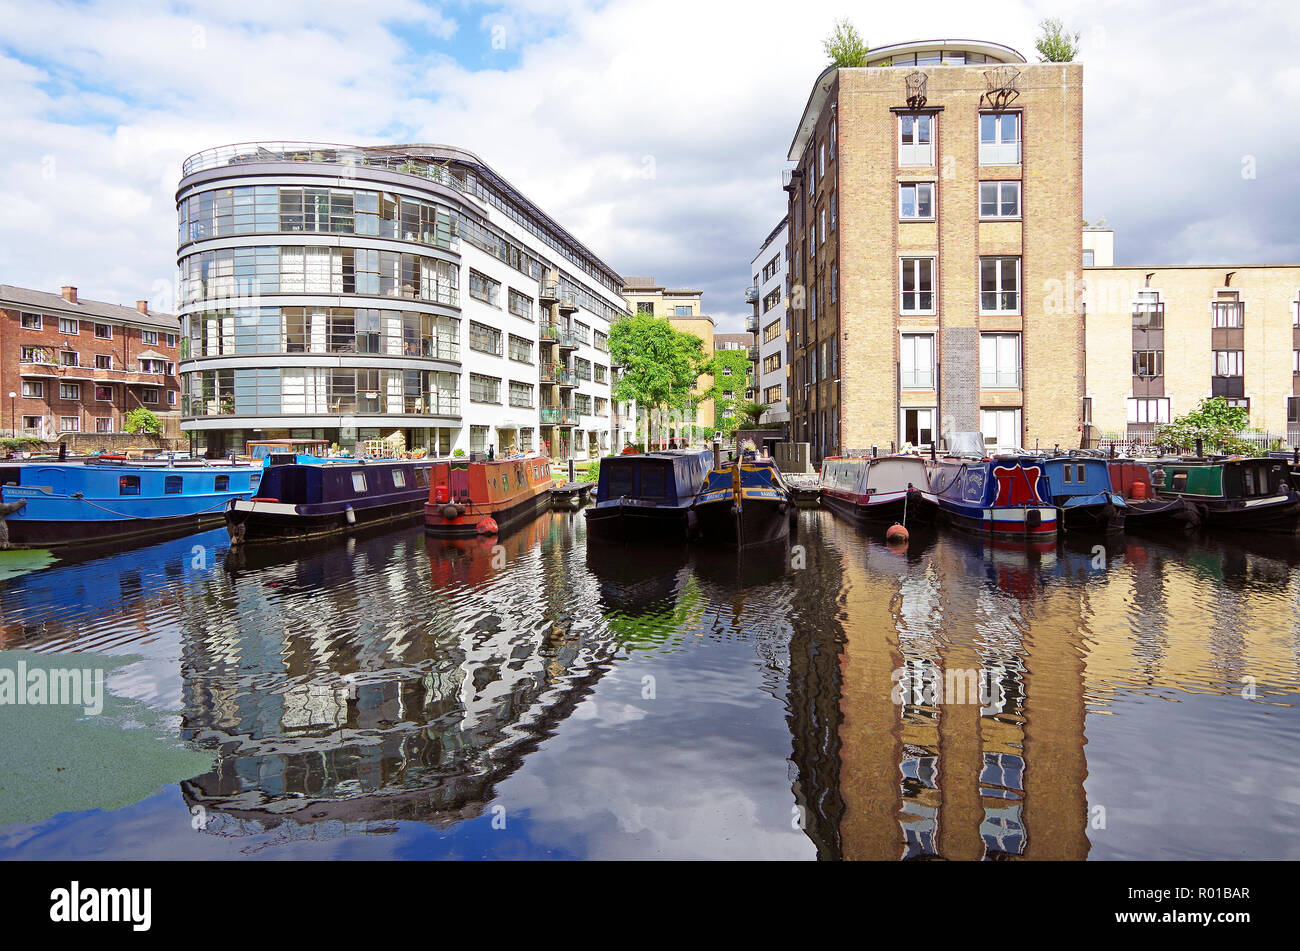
(357, 708)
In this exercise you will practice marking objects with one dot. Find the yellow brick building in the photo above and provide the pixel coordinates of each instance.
(682, 308)
(935, 217)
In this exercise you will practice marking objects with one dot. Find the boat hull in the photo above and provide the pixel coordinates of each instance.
(40, 533)
(1276, 514)
(614, 521)
(1027, 522)
(466, 525)
(1104, 517)
(1161, 514)
(756, 522)
(903, 509)
(264, 522)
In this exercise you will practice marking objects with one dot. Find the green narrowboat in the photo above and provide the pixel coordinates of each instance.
(1251, 494)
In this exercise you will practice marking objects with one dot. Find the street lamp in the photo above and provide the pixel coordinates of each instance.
(13, 422)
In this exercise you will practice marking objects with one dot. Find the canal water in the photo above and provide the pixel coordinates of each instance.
(393, 696)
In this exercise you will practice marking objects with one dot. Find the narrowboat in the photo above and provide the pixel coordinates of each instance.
(1005, 495)
(1253, 494)
(300, 500)
(1132, 480)
(649, 496)
(485, 496)
(887, 488)
(1083, 495)
(744, 503)
(50, 504)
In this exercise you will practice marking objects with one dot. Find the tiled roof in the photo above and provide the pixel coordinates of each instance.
(27, 299)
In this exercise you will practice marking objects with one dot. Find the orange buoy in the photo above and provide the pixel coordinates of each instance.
(896, 534)
(487, 525)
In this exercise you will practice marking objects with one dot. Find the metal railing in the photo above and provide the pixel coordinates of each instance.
(751, 294)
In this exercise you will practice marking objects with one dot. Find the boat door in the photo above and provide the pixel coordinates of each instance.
(459, 482)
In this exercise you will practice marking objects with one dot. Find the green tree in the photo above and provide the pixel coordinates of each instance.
(660, 364)
(1054, 43)
(141, 420)
(754, 412)
(845, 46)
(1214, 423)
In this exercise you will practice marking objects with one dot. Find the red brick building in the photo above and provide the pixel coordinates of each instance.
(80, 366)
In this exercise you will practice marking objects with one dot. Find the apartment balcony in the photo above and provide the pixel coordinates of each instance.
(751, 294)
(568, 302)
(554, 333)
(1232, 387)
(1148, 316)
(552, 415)
(753, 354)
(751, 324)
(80, 374)
(548, 292)
(790, 178)
(555, 374)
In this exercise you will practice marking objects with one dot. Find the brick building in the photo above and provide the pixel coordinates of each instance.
(79, 366)
(935, 216)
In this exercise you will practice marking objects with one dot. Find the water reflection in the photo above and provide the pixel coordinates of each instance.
(391, 679)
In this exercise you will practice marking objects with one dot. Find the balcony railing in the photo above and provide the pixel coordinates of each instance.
(554, 373)
(751, 324)
(753, 354)
(554, 332)
(1148, 316)
(1000, 380)
(548, 292)
(751, 294)
(1229, 314)
(558, 416)
(568, 302)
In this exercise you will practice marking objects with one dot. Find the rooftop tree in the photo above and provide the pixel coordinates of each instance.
(1054, 43)
(845, 46)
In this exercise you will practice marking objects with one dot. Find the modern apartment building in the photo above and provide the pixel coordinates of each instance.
(935, 213)
(1160, 339)
(769, 293)
(682, 308)
(733, 388)
(403, 292)
(71, 366)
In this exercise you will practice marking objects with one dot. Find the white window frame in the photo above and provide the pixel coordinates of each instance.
(99, 420)
(108, 327)
(998, 277)
(902, 423)
(999, 346)
(33, 389)
(995, 415)
(1000, 151)
(911, 374)
(916, 201)
(998, 187)
(915, 153)
(24, 315)
(65, 420)
(1141, 406)
(72, 388)
(69, 326)
(1223, 363)
(916, 269)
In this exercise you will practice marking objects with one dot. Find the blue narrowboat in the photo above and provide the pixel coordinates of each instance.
(1005, 495)
(648, 496)
(1083, 494)
(302, 500)
(50, 504)
(744, 503)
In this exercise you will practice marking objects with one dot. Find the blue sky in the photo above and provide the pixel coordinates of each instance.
(654, 131)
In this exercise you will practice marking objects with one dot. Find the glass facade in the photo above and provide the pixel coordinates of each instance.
(253, 330)
(291, 391)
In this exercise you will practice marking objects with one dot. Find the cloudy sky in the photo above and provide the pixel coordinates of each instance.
(654, 130)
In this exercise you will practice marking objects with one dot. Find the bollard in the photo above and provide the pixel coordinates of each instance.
(571, 474)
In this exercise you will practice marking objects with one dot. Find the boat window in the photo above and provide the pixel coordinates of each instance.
(1178, 482)
(1248, 480)
(620, 481)
(1078, 477)
(172, 485)
(399, 478)
(654, 482)
(422, 476)
(254, 479)
(1067, 471)
(358, 482)
(128, 485)
(223, 483)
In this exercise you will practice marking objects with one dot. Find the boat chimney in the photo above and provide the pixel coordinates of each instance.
(932, 442)
(717, 453)
(1295, 456)
(1199, 451)
(874, 452)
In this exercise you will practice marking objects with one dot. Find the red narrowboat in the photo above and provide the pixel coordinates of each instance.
(484, 497)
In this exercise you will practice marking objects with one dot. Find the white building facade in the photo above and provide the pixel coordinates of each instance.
(406, 293)
(771, 287)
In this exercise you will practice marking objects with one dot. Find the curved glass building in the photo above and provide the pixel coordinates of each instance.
(406, 293)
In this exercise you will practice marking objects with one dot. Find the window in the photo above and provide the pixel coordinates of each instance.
(149, 397)
(149, 338)
(600, 341)
(999, 361)
(821, 226)
(399, 478)
(821, 159)
(128, 485)
(103, 332)
(1089, 256)
(521, 349)
(1148, 311)
(69, 424)
(1241, 402)
(33, 389)
(917, 426)
(160, 366)
(1001, 200)
(834, 210)
(772, 363)
(1228, 312)
(69, 358)
(31, 422)
(358, 482)
(771, 331)
(999, 138)
(1295, 362)
(484, 339)
(915, 140)
(1228, 362)
(69, 391)
(1148, 362)
(999, 285)
(171, 397)
(772, 395)
(916, 201)
(916, 362)
(526, 439)
(918, 285)
(772, 300)
(104, 394)
(521, 305)
(582, 368)
(1148, 410)
(1001, 429)
(582, 332)
(645, 307)
(521, 395)
(173, 484)
(34, 355)
(600, 371)
(484, 288)
(484, 389)
(171, 340)
(103, 361)
(69, 326)
(30, 321)
(103, 424)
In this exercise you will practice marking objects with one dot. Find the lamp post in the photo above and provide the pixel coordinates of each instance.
(13, 421)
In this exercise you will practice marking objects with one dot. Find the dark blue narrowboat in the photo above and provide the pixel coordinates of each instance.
(648, 496)
(298, 500)
(744, 503)
(105, 500)
(1083, 494)
(1006, 495)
